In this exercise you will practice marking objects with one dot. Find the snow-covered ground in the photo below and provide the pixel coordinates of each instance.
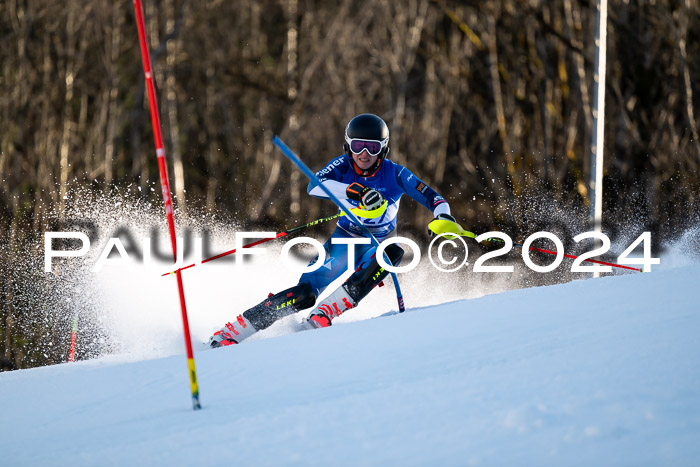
(594, 372)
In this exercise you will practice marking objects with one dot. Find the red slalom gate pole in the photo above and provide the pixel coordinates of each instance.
(226, 253)
(73, 336)
(258, 242)
(542, 250)
(165, 186)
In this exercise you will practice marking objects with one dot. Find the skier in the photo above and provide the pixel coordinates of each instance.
(362, 176)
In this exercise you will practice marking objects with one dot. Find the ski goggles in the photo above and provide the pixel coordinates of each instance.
(373, 147)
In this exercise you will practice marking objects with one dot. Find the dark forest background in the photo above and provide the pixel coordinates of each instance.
(489, 102)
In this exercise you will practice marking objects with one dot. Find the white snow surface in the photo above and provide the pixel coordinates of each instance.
(593, 372)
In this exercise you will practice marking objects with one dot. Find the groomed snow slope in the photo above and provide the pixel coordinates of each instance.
(595, 372)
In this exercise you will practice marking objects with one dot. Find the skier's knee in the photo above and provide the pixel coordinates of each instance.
(395, 253)
(365, 279)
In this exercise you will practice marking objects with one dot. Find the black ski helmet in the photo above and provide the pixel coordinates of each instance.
(367, 127)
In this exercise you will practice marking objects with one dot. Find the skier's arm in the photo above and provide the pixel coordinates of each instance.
(337, 188)
(331, 176)
(421, 192)
(369, 198)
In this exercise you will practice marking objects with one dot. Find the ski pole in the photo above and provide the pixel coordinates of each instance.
(357, 211)
(314, 179)
(262, 240)
(605, 263)
(448, 227)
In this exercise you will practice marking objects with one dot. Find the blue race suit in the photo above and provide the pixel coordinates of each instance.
(392, 181)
